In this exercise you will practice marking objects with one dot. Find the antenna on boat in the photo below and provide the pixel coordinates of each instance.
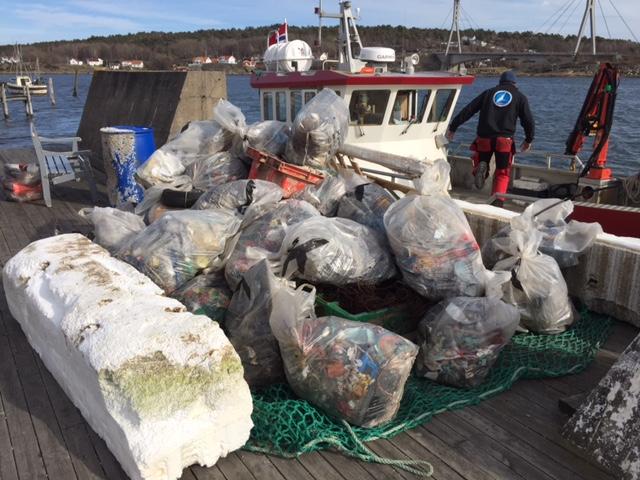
(318, 11)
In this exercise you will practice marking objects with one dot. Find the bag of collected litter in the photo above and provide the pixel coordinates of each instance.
(432, 241)
(230, 117)
(326, 195)
(563, 241)
(112, 227)
(270, 136)
(248, 197)
(318, 131)
(352, 370)
(263, 238)
(367, 205)
(207, 294)
(201, 139)
(461, 337)
(180, 244)
(17, 192)
(219, 168)
(23, 173)
(538, 288)
(247, 325)
(334, 251)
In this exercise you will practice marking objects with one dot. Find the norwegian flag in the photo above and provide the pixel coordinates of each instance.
(280, 35)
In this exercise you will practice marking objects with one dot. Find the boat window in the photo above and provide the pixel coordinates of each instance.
(423, 101)
(267, 105)
(367, 107)
(281, 106)
(308, 95)
(442, 105)
(296, 103)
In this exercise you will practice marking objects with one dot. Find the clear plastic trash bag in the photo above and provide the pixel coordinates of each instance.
(461, 337)
(270, 136)
(353, 371)
(249, 197)
(367, 205)
(562, 240)
(113, 228)
(334, 251)
(432, 240)
(217, 169)
(263, 238)
(538, 288)
(206, 294)
(230, 117)
(248, 329)
(326, 195)
(201, 139)
(180, 244)
(318, 131)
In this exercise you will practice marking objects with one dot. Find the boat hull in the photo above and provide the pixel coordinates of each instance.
(33, 89)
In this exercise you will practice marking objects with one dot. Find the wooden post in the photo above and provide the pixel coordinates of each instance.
(27, 103)
(52, 94)
(5, 104)
(75, 83)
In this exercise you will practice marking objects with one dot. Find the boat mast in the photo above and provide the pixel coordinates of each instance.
(348, 37)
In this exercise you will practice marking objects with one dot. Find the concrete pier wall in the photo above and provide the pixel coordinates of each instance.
(165, 101)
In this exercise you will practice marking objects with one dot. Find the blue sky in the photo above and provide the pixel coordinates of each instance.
(26, 21)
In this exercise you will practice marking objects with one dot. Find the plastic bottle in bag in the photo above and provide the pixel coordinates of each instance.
(248, 328)
(351, 370)
(180, 244)
(270, 136)
(335, 251)
(326, 195)
(432, 240)
(318, 131)
(538, 288)
(113, 228)
(263, 238)
(461, 337)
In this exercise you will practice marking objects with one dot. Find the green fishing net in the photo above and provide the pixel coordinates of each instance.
(288, 426)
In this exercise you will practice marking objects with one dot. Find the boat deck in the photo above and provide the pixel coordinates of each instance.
(42, 435)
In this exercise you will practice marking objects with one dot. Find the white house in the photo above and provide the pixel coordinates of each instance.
(95, 62)
(74, 61)
(137, 64)
(227, 59)
(202, 60)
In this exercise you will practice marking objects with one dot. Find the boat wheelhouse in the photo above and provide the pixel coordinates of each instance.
(404, 113)
(20, 82)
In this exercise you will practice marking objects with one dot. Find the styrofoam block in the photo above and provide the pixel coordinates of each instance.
(163, 388)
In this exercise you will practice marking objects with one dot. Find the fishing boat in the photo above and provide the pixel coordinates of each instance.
(24, 80)
(403, 112)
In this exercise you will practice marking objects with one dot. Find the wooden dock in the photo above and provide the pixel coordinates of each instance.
(42, 435)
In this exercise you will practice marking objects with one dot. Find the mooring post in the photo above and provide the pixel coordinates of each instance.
(75, 83)
(5, 104)
(52, 94)
(27, 103)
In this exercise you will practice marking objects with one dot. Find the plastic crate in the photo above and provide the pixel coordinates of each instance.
(291, 178)
(392, 318)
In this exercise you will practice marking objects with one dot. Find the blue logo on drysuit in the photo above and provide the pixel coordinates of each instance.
(502, 98)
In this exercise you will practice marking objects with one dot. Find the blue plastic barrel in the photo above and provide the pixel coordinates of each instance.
(145, 143)
(124, 149)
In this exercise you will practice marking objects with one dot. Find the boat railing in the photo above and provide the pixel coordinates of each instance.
(550, 159)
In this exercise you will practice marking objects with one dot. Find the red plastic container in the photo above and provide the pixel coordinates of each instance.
(291, 178)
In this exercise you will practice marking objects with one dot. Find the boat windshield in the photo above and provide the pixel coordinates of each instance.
(409, 106)
(367, 107)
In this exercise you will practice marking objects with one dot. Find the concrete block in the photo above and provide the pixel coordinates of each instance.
(163, 388)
